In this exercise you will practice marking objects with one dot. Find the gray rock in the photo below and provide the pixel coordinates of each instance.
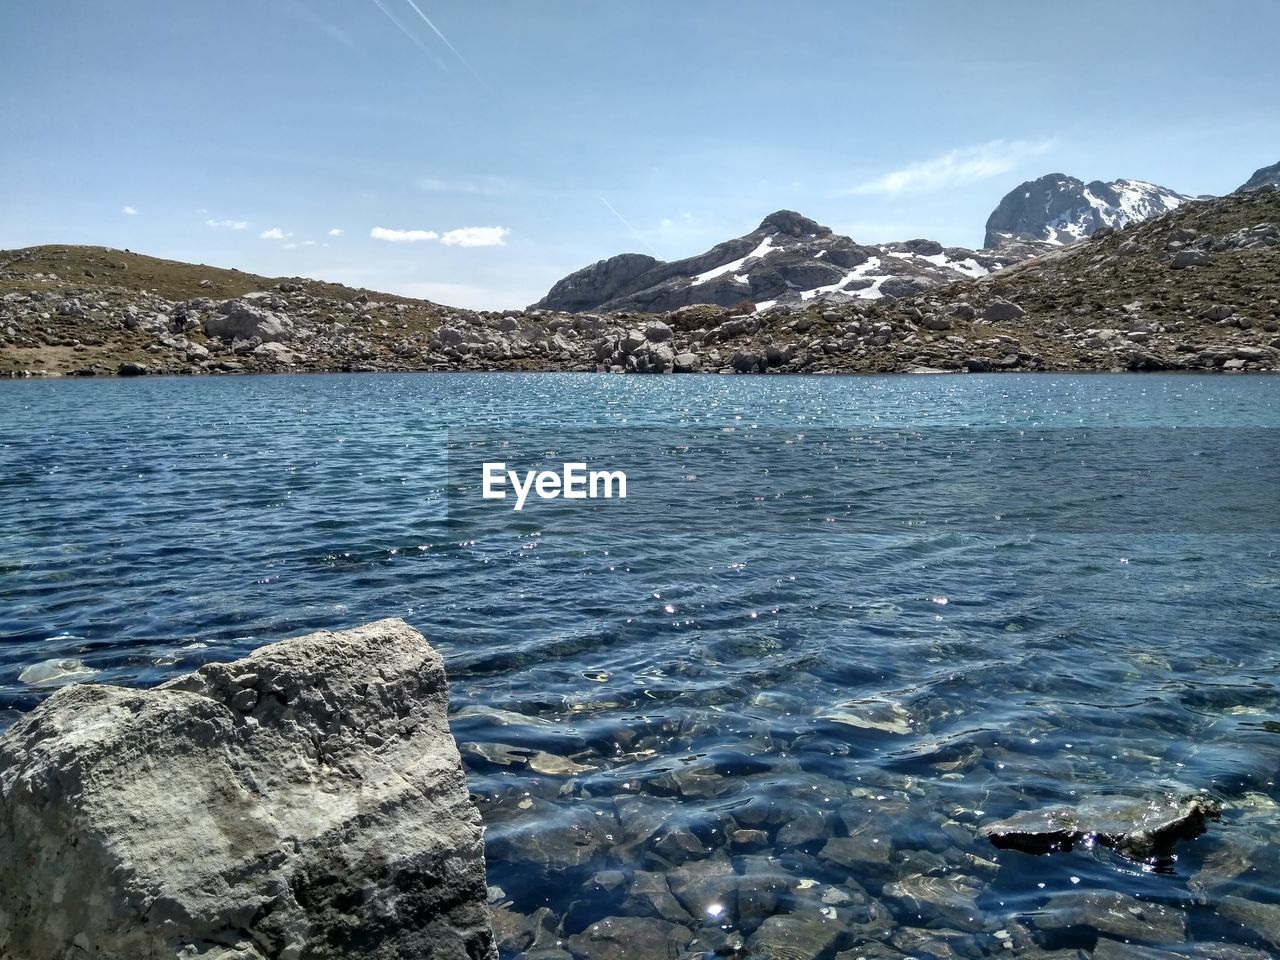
(170, 822)
(795, 936)
(998, 310)
(1219, 311)
(687, 362)
(1113, 914)
(655, 331)
(950, 900)
(1262, 918)
(631, 938)
(1136, 829)
(1189, 258)
(237, 320)
(130, 369)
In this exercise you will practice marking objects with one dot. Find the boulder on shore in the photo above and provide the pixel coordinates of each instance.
(305, 802)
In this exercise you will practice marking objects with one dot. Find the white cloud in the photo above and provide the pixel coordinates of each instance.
(275, 233)
(290, 246)
(129, 211)
(959, 166)
(336, 232)
(308, 243)
(402, 236)
(229, 224)
(476, 237)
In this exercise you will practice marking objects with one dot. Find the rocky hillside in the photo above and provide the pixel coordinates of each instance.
(1262, 177)
(1197, 288)
(787, 259)
(1057, 209)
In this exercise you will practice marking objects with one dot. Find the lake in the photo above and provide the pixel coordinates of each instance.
(836, 626)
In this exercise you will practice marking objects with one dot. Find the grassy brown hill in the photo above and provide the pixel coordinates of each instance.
(1198, 288)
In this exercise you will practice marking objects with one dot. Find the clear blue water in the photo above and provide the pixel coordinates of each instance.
(690, 678)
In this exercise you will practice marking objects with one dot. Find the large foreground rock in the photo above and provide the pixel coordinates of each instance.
(305, 802)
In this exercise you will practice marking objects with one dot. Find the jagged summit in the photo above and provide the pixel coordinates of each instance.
(792, 224)
(1059, 209)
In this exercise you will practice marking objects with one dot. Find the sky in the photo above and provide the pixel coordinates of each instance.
(473, 152)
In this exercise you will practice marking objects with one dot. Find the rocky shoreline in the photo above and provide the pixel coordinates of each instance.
(309, 802)
(1197, 289)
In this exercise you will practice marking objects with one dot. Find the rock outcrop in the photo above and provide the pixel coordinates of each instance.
(1058, 210)
(305, 802)
(1262, 177)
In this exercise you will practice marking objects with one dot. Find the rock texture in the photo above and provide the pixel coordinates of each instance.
(1262, 177)
(1057, 209)
(787, 259)
(305, 802)
(1138, 829)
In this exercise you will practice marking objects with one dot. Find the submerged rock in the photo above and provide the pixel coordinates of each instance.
(1134, 828)
(307, 801)
(56, 673)
(1113, 914)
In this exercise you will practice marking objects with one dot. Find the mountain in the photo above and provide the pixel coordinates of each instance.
(1197, 288)
(787, 259)
(1060, 210)
(1262, 177)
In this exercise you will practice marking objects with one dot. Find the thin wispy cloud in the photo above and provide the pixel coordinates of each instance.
(129, 211)
(956, 167)
(275, 233)
(303, 12)
(445, 40)
(410, 34)
(626, 223)
(336, 232)
(402, 236)
(476, 237)
(228, 224)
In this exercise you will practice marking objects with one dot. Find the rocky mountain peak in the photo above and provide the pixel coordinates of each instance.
(792, 224)
(788, 259)
(1262, 177)
(1059, 209)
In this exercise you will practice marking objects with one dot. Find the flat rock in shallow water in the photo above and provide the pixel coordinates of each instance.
(1115, 915)
(307, 801)
(1138, 829)
(56, 673)
(872, 713)
(631, 938)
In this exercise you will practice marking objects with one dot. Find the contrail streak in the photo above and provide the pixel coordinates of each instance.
(634, 232)
(405, 30)
(445, 41)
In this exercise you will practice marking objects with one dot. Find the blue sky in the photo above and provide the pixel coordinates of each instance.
(474, 152)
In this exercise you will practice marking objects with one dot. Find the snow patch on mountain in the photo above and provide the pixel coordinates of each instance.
(1061, 210)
